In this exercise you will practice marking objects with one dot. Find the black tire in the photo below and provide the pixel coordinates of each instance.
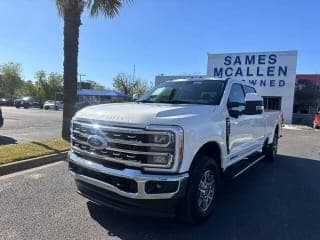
(194, 208)
(17, 106)
(270, 150)
(46, 108)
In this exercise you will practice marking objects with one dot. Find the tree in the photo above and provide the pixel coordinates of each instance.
(10, 78)
(70, 11)
(48, 85)
(306, 92)
(306, 95)
(124, 83)
(128, 85)
(28, 89)
(141, 87)
(55, 81)
(41, 84)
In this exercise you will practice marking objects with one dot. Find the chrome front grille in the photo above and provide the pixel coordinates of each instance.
(128, 146)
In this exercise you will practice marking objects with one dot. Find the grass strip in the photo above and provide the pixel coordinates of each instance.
(15, 152)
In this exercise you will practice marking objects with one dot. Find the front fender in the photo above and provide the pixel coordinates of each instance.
(198, 136)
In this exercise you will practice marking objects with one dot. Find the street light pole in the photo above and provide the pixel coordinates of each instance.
(80, 75)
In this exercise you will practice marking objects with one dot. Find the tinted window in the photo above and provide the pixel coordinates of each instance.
(236, 94)
(248, 89)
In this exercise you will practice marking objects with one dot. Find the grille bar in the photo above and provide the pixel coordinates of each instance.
(104, 130)
(130, 162)
(75, 140)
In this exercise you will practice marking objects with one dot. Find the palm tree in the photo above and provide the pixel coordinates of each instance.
(70, 11)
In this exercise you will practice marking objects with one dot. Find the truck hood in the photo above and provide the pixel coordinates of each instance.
(142, 114)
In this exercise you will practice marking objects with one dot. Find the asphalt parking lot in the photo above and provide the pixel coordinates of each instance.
(270, 201)
(25, 125)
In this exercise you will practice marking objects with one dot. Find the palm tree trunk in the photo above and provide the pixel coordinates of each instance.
(72, 22)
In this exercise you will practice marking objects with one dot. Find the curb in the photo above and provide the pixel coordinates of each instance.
(31, 163)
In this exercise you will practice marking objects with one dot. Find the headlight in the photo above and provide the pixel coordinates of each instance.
(169, 141)
(161, 138)
(165, 160)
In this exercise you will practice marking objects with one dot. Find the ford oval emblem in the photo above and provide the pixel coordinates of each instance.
(97, 142)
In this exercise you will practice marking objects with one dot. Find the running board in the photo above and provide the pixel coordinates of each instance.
(249, 166)
(243, 165)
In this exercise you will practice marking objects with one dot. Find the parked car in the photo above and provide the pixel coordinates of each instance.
(167, 152)
(1, 118)
(6, 101)
(316, 121)
(83, 104)
(31, 101)
(51, 104)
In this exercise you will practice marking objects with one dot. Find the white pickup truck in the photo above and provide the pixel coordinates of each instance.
(167, 152)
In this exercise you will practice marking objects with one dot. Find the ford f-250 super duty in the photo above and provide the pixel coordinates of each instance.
(167, 152)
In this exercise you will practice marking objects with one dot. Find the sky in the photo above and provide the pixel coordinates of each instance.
(159, 36)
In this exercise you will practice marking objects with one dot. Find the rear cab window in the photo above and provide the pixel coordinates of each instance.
(249, 89)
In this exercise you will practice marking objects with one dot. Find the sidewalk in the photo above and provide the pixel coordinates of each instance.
(298, 127)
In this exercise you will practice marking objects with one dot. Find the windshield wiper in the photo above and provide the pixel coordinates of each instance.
(144, 101)
(177, 102)
(169, 102)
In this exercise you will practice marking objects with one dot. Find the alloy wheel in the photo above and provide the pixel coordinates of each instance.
(206, 190)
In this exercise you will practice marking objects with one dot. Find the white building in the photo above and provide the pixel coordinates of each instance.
(273, 75)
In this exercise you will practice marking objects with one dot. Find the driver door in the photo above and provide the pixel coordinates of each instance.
(241, 136)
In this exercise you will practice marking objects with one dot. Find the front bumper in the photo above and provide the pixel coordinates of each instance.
(127, 183)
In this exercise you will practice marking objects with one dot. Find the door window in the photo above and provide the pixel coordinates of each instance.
(248, 89)
(236, 94)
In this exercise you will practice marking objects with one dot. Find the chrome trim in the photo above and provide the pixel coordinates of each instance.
(123, 150)
(128, 142)
(132, 174)
(130, 162)
(127, 131)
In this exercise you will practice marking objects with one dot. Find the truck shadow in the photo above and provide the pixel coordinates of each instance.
(5, 140)
(278, 200)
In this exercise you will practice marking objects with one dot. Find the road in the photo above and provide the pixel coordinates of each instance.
(25, 125)
(270, 201)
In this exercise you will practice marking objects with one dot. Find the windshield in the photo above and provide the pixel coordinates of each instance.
(207, 92)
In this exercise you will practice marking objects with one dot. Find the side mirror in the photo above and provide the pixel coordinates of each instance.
(235, 109)
(254, 104)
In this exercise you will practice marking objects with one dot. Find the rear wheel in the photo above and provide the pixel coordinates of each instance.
(270, 150)
(204, 181)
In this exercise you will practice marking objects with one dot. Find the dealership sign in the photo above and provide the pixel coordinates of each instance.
(261, 69)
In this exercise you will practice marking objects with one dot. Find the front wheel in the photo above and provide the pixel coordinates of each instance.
(204, 181)
(270, 150)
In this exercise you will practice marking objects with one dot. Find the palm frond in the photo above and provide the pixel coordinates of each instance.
(62, 5)
(107, 8)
